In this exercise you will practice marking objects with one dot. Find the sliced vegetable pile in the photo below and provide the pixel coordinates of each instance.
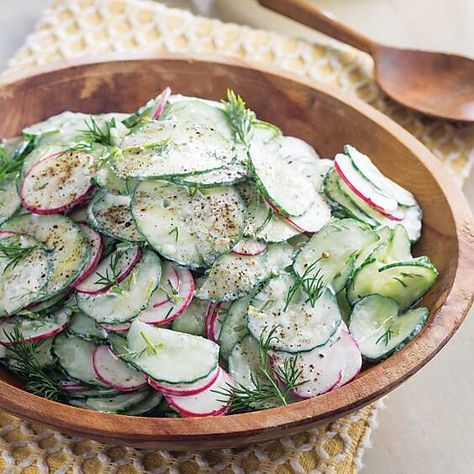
(190, 260)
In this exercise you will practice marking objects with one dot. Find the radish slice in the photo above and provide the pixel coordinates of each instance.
(314, 219)
(71, 386)
(114, 372)
(161, 101)
(353, 358)
(185, 389)
(97, 247)
(57, 182)
(169, 285)
(123, 327)
(249, 247)
(159, 312)
(6, 233)
(215, 315)
(207, 402)
(322, 368)
(126, 262)
(382, 203)
(35, 329)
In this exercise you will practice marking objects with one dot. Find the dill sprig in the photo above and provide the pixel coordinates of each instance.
(13, 252)
(310, 283)
(240, 117)
(268, 387)
(386, 336)
(38, 379)
(150, 348)
(175, 231)
(111, 277)
(99, 133)
(9, 166)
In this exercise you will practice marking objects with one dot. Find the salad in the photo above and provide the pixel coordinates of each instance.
(191, 260)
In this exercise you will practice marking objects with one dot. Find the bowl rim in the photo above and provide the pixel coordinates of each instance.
(380, 378)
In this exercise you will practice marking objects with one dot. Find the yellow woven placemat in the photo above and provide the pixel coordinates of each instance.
(72, 28)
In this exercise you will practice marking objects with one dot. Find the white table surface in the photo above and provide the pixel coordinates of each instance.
(428, 423)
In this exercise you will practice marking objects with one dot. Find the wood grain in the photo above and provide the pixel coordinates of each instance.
(436, 84)
(328, 120)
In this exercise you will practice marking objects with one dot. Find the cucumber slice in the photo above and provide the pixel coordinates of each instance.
(74, 356)
(127, 299)
(287, 190)
(121, 403)
(110, 214)
(107, 179)
(192, 230)
(9, 200)
(34, 329)
(334, 250)
(149, 404)
(234, 276)
(234, 328)
(167, 149)
(301, 326)
(405, 282)
(169, 356)
(398, 247)
(78, 391)
(262, 222)
(84, 327)
(22, 280)
(379, 329)
(192, 321)
(364, 165)
(44, 354)
(342, 201)
(244, 363)
(67, 244)
(200, 112)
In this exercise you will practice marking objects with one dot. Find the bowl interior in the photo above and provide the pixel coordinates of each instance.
(314, 114)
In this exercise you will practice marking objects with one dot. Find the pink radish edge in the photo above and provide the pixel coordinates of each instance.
(71, 386)
(40, 211)
(168, 390)
(212, 313)
(364, 198)
(39, 337)
(162, 99)
(96, 252)
(123, 327)
(120, 278)
(240, 250)
(107, 382)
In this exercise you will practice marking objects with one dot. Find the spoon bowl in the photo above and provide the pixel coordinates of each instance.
(436, 84)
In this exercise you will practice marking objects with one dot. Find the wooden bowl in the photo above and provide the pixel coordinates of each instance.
(323, 117)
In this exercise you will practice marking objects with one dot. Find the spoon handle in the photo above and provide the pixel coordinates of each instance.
(303, 11)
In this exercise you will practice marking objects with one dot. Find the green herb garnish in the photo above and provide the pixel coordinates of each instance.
(240, 117)
(150, 349)
(99, 133)
(386, 337)
(13, 252)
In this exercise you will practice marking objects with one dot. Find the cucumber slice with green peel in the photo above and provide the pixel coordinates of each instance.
(74, 356)
(192, 320)
(107, 179)
(121, 403)
(169, 356)
(279, 257)
(380, 330)
(84, 327)
(262, 222)
(64, 240)
(364, 165)
(111, 215)
(167, 149)
(297, 149)
(287, 190)
(399, 246)
(126, 300)
(344, 305)
(191, 230)
(334, 250)
(234, 328)
(34, 329)
(405, 282)
(148, 405)
(25, 269)
(204, 113)
(302, 326)
(244, 363)
(234, 276)
(338, 197)
(9, 200)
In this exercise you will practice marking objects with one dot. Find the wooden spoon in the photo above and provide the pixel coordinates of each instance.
(436, 84)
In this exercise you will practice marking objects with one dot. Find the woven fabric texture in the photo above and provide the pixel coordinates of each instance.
(72, 28)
